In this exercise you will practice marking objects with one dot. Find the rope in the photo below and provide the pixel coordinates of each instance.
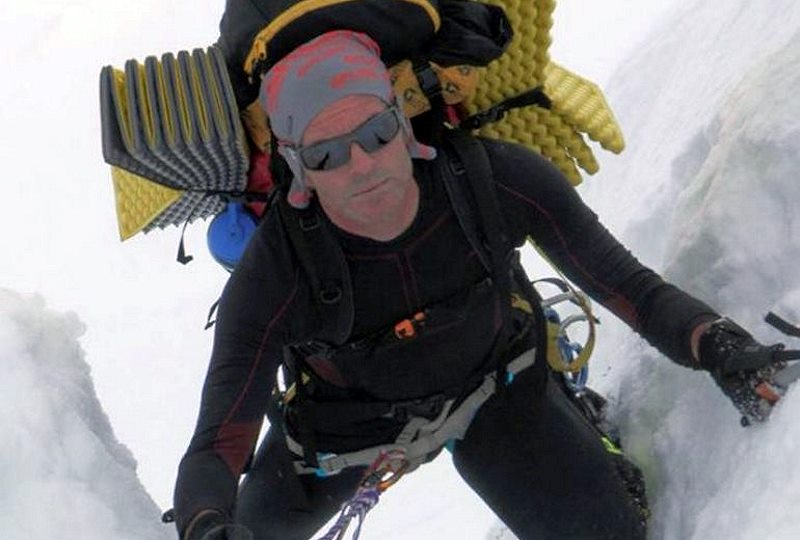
(362, 502)
(384, 472)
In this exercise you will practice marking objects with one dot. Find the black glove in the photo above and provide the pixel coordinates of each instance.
(215, 526)
(743, 368)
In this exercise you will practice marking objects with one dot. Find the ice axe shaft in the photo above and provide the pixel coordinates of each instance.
(782, 324)
(753, 358)
(791, 373)
(787, 356)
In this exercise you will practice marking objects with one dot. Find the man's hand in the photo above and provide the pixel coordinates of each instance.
(743, 368)
(212, 525)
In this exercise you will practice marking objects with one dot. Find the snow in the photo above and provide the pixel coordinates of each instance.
(63, 474)
(706, 193)
(732, 237)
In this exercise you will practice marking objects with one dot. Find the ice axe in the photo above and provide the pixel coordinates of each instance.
(768, 371)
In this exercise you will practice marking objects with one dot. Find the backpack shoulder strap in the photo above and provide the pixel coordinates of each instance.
(322, 259)
(468, 177)
(469, 181)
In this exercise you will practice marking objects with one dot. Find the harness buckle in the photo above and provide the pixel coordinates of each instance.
(456, 167)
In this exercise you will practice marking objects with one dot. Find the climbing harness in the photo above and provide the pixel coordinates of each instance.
(421, 437)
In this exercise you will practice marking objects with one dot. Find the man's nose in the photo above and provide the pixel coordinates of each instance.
(360, 160)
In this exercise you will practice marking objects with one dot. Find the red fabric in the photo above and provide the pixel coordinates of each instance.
(234, 443)
(359, 59)
(259, 180)
(453, 115)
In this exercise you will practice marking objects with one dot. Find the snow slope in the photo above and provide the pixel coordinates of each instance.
(706, 192)
(726, 222)
(63, 474)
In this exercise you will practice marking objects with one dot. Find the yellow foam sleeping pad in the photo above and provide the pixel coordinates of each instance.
(173, 137)
(578, 106)
(139, 201)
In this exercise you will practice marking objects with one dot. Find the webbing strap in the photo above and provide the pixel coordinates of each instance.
(535, 96)
(429, 435)
(323, 261)
(463, 207)
(477, 169)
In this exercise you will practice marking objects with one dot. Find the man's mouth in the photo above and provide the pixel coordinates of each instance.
(371, 188)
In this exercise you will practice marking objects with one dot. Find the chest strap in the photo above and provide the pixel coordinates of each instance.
(421, 437)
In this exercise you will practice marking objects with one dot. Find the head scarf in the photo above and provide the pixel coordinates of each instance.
(324, 70)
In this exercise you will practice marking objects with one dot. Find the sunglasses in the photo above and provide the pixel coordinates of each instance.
(372, 135)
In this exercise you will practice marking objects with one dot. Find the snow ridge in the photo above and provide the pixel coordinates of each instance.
(62, 472)
(707, 193)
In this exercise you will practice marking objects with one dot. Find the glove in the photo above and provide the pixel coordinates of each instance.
(212, 525)
(743, 368)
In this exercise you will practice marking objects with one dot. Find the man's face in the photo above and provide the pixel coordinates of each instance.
(372, 194)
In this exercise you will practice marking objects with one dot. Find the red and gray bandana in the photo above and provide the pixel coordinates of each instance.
(324, 70)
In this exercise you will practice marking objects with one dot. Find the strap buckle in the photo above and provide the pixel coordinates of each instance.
(332, 294)
(309, 222)
(480, 119)
(407, 328)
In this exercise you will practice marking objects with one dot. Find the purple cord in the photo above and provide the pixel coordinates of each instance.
(362, 502)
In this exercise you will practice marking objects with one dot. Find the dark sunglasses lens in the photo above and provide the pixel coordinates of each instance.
(372, 135)
(325, 155)
(378, 131)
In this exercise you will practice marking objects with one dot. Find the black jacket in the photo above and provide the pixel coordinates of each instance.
(266, 302)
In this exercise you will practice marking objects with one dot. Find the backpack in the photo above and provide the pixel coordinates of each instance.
(489, 60)
(186, 138)
(180, 149)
